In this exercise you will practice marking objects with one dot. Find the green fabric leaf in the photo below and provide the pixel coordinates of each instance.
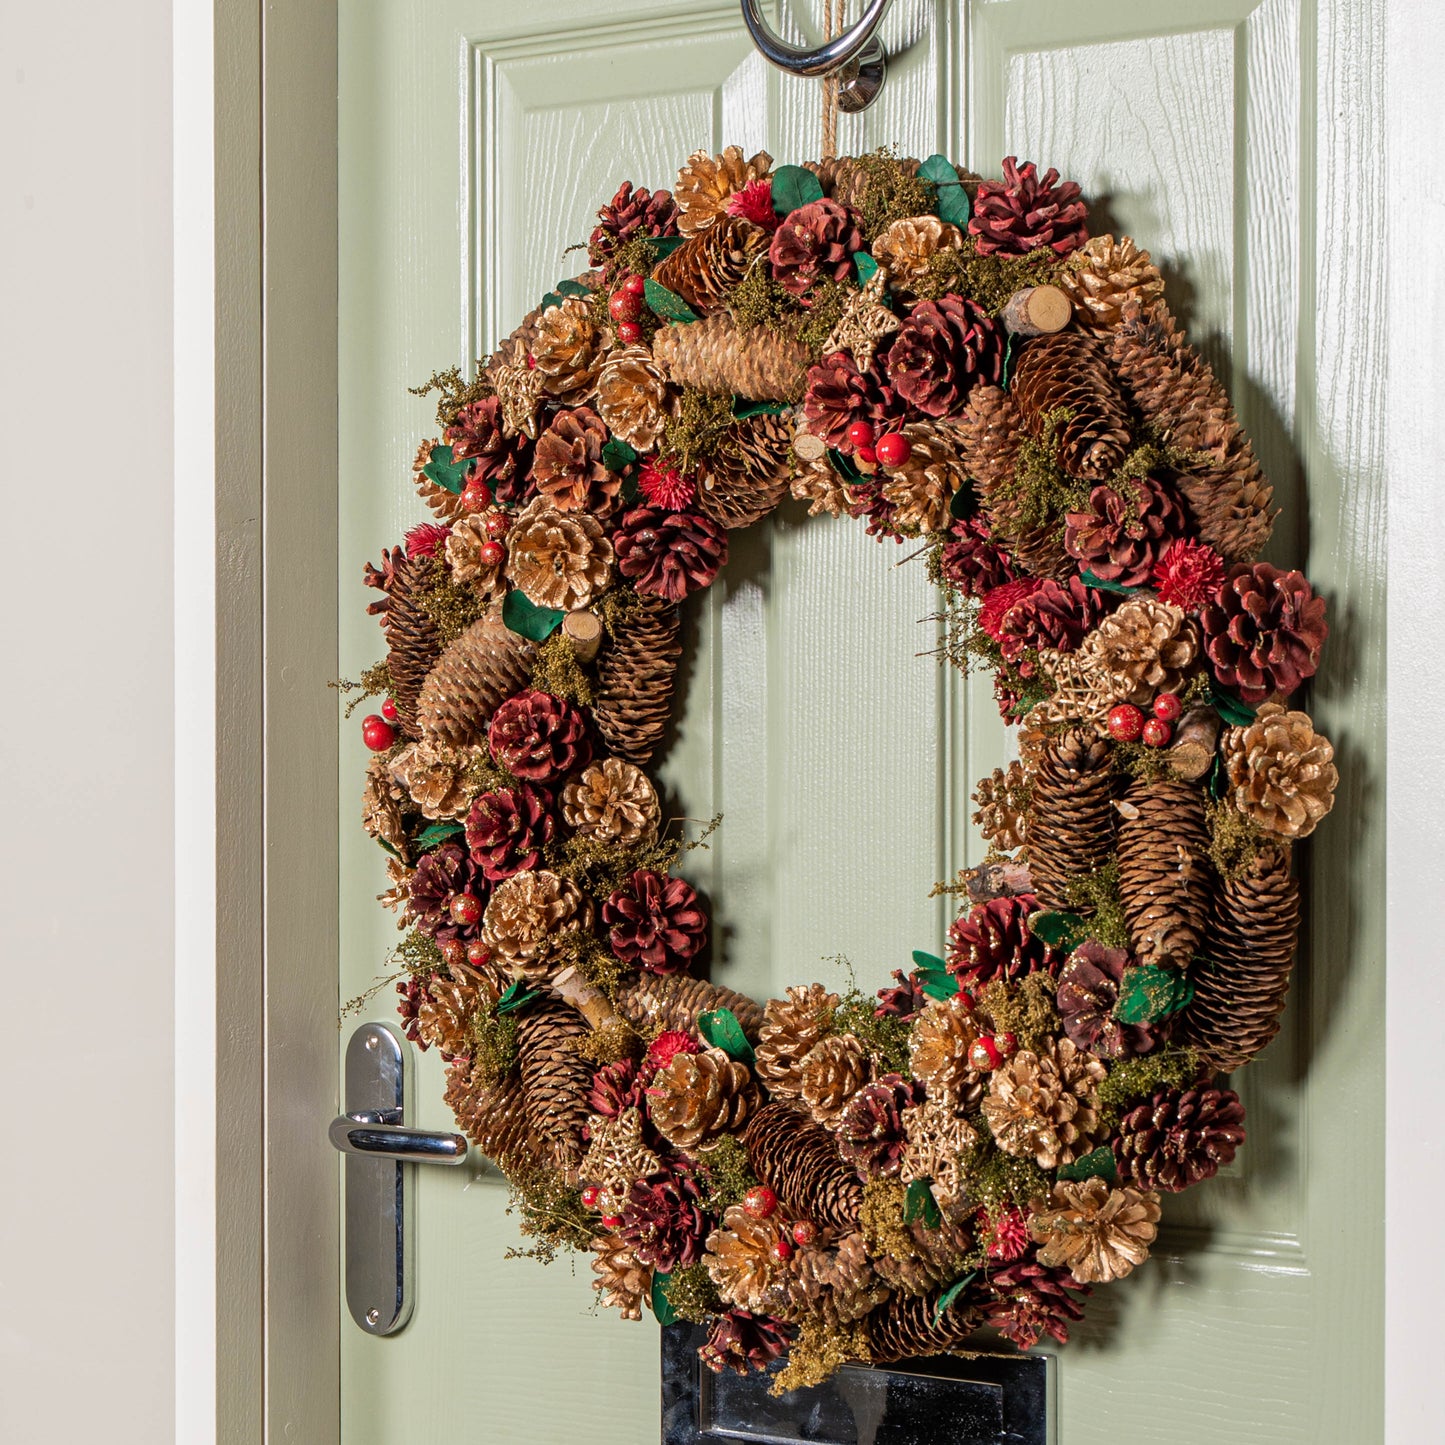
(551, 299)
(1148, 993)
(518, 995)
(793, 186)
(389, 849)
(526, 619)
(1236, 713)
(663, 246)
(952, 204)
(964, 503)
(1099, 584)
(844, 466)
(618, 455)
(951, 1294)
(1059, 930)
(1218, 778)
(661, 1305)
(744, 409)
(572, 288)
(934, 975)
(1096, 1164)
(721, 1029)
(867, 267)
(445, 472)
(919, 1203)
(667, 304)
(438, 833)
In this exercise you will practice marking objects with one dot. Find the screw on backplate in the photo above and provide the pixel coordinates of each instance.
(373, 1317)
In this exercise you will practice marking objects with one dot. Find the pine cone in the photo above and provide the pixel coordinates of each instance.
(1026, 210)
(936, 1137)
(743, 1342)
(538, 737)
(990, 431)
(706, 269)
(617, 1088)
(1042, 1105)
(852, 179)
(1088, 990)
(651, 1003)
(1104, 276)
(698, 1098)
(816, 242)
(905, 247)
(1241, 985)
(382, 802)
(740, 1258)
(1179, 1137)
(439, 876)
(817, 482)
(1031, 1301)
(445, 507)
(944, 349)
(939, 1047)
(870, 1126)
(669, 554)
(508, 829)
(1281, 772)
(1098, 1234)
(467, 562)
(936, 1257)
(412, 641)
(568, 350)
(499, 460)
(1125, 532)
(1264, 631)
(656, 922)
(706, 181)
(521, 390)
(628, 214)
(622, 1282)
(922, 488)
(1055, 615)
(1165, 876)
(1072, 820)
(971, 560)
(635, 679)
(435, 777)
(992, 941)
(1002, 815)
(749, 476)
(905, 999)
(1145, 646)
(904, 1328)
(492, 1115)
(449, 1006)
(1069, 370)
(834, 1284)
(632, 396)
(790, 1028)
(663, 1220)
(555, 1076)
(838, 394)
(715, 355)
(568, 469)
(613, 802)
(834, 1070)
(799, 1162)
(558, 559)
(525, 917)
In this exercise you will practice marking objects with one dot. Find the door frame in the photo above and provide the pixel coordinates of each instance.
(256, 1190)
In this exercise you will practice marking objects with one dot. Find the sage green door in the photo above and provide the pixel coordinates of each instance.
(1231, 137)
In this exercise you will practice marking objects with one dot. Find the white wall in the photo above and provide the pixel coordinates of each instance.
(86, 857)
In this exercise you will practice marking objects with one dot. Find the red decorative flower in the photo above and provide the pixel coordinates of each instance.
(1188, 575)
(1008, 1235)
(507, 830)
(656, 922)
(755, 203)
(424, 539)
(539, 737)
(664, 486)
(998, 602)
(668, 1045)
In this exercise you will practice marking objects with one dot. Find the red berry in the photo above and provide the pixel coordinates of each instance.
(625, 306)
(867, 456)
(1007, 1043)
(465, 908)
(860, 434)
(388, 708)
(478, 953)
(590, 1196)
(476, 496)
(377, 733)
(782, 1249)
(1126, 722)
(635, 285)
(492, 554)
(496, 524)
(1157, 733)
(1168, 707)
(760, 1202)
(804, 1233)
(628, 332)
(985, 1054)
(611, 1221)
(894, 449)
(453, 952)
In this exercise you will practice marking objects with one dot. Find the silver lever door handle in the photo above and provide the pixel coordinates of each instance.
(374, 1135)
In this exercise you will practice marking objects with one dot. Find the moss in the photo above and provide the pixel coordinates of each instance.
(637, 257)
(692, 1294)
(698, 429)
(418, 953)
(609, 1044)
(1144, 764)
(482, 774)
(552, 1213)
(617, 608)
(1026, 1011)
(881, 1219)
(884, 191)
(450, 607)
(1133, 1079)
(602, 867)
(1098, 896)
(758, 300)
(818, 1352)
(996, 1179)
(556, 670)
(1234, 840)
(1040, 492)
(724, 1175)
(584, 951)
(454, 391)
(826, 303)
(375, 682)
(494, 1053)
(987, 280)
(886, 1039)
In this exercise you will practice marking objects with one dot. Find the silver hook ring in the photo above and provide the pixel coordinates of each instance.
(826, 58)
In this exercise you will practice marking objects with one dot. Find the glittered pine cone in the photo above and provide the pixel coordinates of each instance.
(656, 922)
(1055, 615)
(971, 560)
(708, 267)
(839, 394)
(992, 941)
(1125, 530)
(744, 1343)
(671, 1002)
(1264, 631)
(816, 242)
(616, 1088)
(1067, 394)
(525, 918)
(1105, 274)
(568, 350)
(664, 1221)
(669, 554)
(870, 1125)
(1145, 647)
(1041, 1105)
(905, 247)
(799, 1161)
(632, 396)
(1282, 774)
(699, 1098)
(921, 489)
(1097, 1233)
(558, 559)
(791, 1027)
(1026, 210)
(507, 830)
(538, 737)
(1088, 990)
(441, 875)
(382, 803)
(740, 1258)
(492, 1114)
(468, 681)
(835, 1283)
(1031, 1300)
(816, 481)
(568, 468)
(1178, 1137)
(499, 460)
(944, 349)
(632, 701)
(1002, 799)
(939, 1047)
(631, 213)
(613, 802)
(1072, 818)
(621, 1280)
(435, 777)
(834, 1070)
(450, 1002)
(1165, 874)
(705, 182)
(466, 558)
(904, 999)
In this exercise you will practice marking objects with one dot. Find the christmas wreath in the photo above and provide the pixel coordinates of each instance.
(949, 359)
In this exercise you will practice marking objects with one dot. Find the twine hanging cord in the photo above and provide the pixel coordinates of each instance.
(832, 23)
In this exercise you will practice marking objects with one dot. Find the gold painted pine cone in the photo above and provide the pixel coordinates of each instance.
(1042, 1106)
(700, 1097)
(481, 669)
(635, 678)
(1104, 275)
(613, 802)
(524, 918)
(381, 807)
(1146, 646)
(816, 481)
(938, 1046)
(906, 246)
(715, 355)
(791, 1027)
(834, 1070)
(1282, 774)
(1072, 820)
(835, 1283)
(556, 1078)
(435, 777)
(922, 488)
(706, 181)
(568, 349)
(558, 559)
(620, 1281)
(740, 1258)
(1098, 1234)
(1165, 876)
(450, 1003)
(632, 396)
(464, 558)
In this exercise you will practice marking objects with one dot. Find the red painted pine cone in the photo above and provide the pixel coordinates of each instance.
(631, 213)
(904, 999)
(944, 349)
(1026, 210)
(616, 1087)
(1264, 631)
(663, 1220)
(1054, 614)
(870, 1127)
(992, 940)
(815, 242)
(656, 922)
(508, 829)
(539, 737)
(1123, 534)
(1032, 1301)
(501, 461)
(1178, 1138)
(972, 561)
(839, 394)
(669, 554)
(440, 874)
(744, 1342)
(1088, 990)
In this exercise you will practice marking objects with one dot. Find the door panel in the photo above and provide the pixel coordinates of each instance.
(476, 141)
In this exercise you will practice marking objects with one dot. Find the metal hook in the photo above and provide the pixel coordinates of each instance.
(856, 56)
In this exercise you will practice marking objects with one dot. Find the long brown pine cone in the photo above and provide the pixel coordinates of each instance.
(1069, 370)
(650, 1003)
(413, 642)
(556, 1078)
(1165, 876)
(635, 678)
(493, 1116)
(753, 472)
(936, 1261)
(799, 1162)
(714, 355)
(1242, 982)
(482, 668)
(902, 1328)
(1072, 819)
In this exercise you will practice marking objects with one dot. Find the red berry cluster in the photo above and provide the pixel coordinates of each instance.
(1127, 723)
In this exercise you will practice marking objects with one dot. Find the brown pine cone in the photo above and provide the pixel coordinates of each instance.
(412, 641)
(921, 489)
(1070, 370)
(870, 1126)
(990, 431)
(1097, 1233)
(744, 1343)
(706, 269)
(568, 350)
(613, 802)
(1031, 1301)
(653, 1004)
(992, 941)
(790, 1028)
(632, 396)
(568, 469)
(816, 242)
(628, 214)
(1179, 1137)
(507, 830)
(698, 1098)
(750, 474)
(838, 394)
(1165, 877)
(656, 922)
(492, 1115)
(524, 919)
(1026, 210)
(664, 1221)
(714, 355)
(939, 1048)
(1003, 805)
(1145, 647)
(1241, 985)
(1125, 530)
(635, 679)
(1104, 276)
(485, 665)
(705, 182)
(799, 1162)
(944, 349)
(669, 554)
(499, 460)
(1264, 631)
(1088, 990)
(905, 247)
(834, 1283)
(1281, 772)
(1041, 1106)
(834, 1070)
(903, 1327)
(555, 1076)
(937, 1257)
(740, 1258)
(622, 1281)
(558, 559)
(1072, 821)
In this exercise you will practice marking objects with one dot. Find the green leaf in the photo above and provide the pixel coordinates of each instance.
(572, 288)
(1059, 930)
(964, 503)
(518, 995)
(952, 204)
(526, 619)
(667, 304)
(951, 1294)
(933, 971)
(744, 409)
(867, 267)
(1236, 713)
(1096, 1164)
(1100, 584)
(629, 489)
(445, 472)
(389, 849)
(1010, 356)
(1148, 993)
(551, 299)
(1218, 778)
(661, 1305)
(438, 833)
(618, 455)
(793, 187)
(721, 1029)
(664, 245)
(844, 466)
(919, 1203)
